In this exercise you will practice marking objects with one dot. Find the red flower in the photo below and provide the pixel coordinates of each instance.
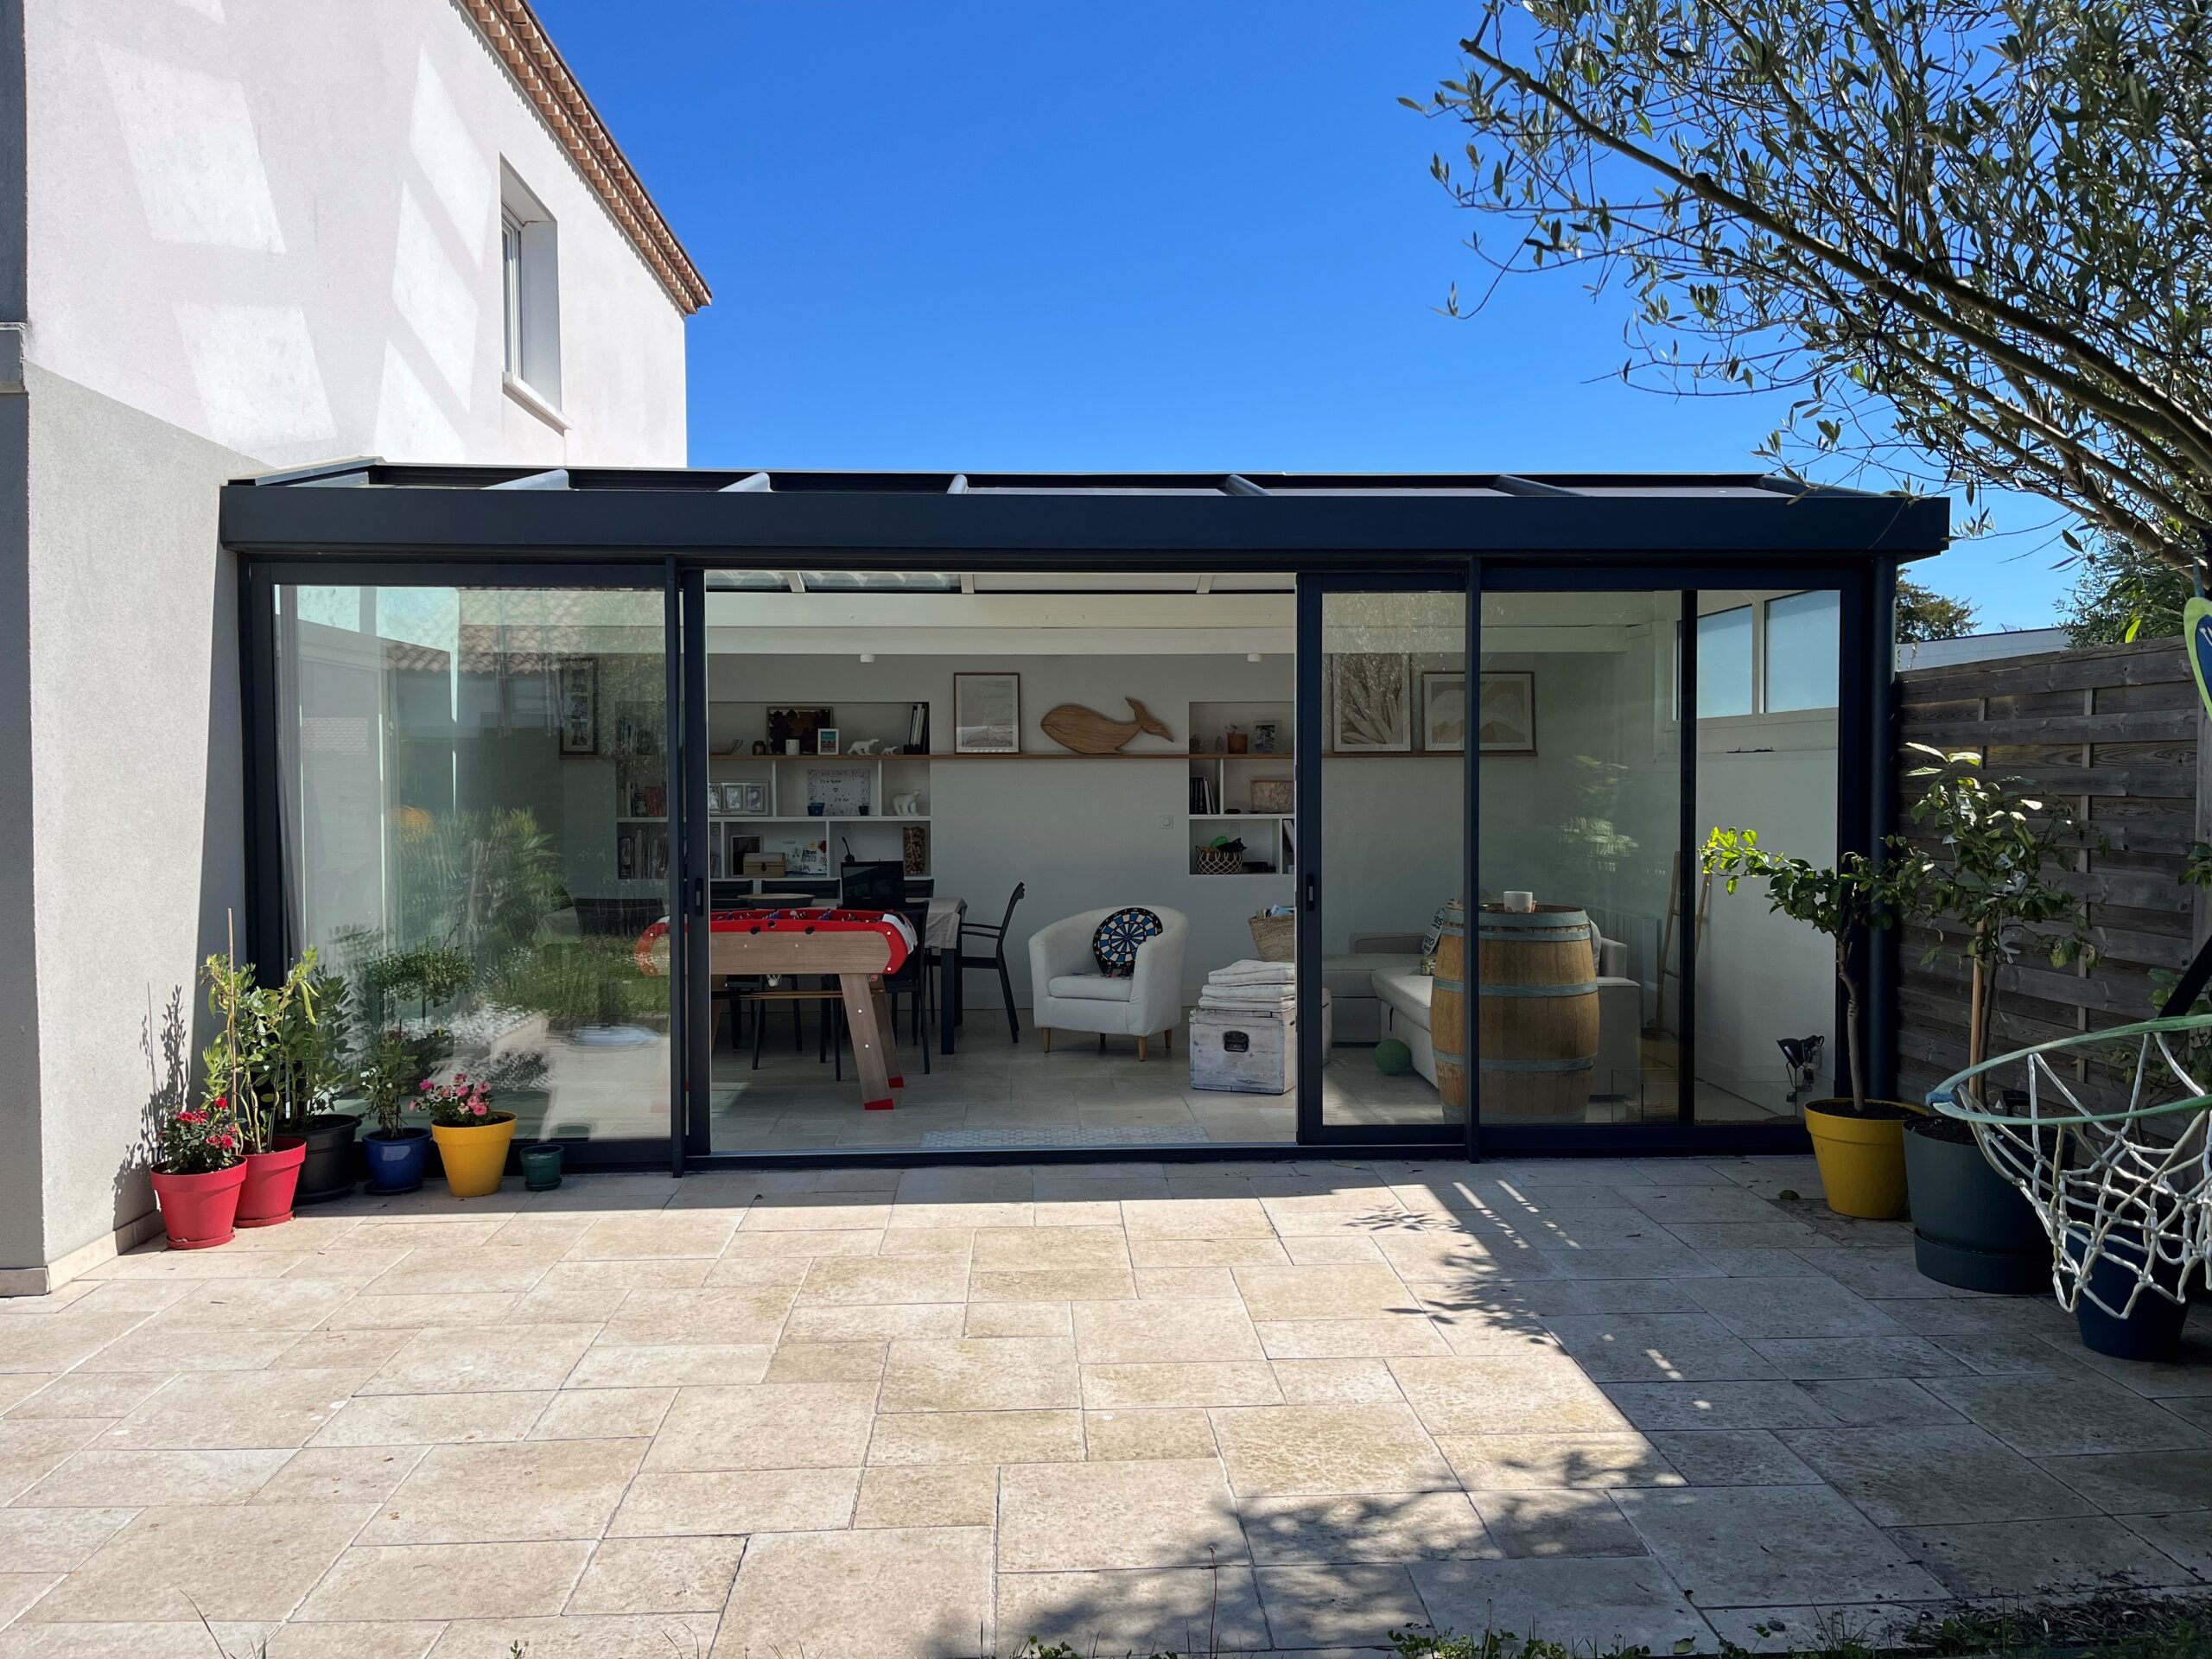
(460, 1076)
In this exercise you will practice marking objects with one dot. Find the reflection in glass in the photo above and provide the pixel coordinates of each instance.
(1801, 651)
(1724, 663)
(476, 831)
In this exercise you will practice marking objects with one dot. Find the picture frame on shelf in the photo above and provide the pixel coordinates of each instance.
(576, 704)
(1506, 716)
(753, 800)
(788, 726)
(840, 791)
(1444, 711)
(825, 740)
(1274, 795)
(987, 713)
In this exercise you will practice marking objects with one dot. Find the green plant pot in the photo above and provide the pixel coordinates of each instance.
(541, 1166)
(1970, 1227)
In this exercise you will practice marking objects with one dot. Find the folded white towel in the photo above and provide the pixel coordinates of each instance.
(1252, 971)
(1216, 997)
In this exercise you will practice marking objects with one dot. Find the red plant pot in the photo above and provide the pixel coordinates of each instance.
(198, 1212)
(271, 1178)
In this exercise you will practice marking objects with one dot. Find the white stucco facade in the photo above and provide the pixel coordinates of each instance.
(252, 233)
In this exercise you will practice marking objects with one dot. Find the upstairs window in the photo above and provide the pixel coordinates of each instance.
(530, 281)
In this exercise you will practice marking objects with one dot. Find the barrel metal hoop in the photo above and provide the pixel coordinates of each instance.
(1586, 988)
(1583, 1063)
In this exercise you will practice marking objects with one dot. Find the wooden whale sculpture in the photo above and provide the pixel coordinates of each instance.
(1088, 732)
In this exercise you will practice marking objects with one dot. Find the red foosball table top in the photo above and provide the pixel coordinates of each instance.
(827, 940)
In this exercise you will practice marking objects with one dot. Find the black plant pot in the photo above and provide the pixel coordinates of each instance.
(328, 1171)
(1971, 1227)
(2152, 1328)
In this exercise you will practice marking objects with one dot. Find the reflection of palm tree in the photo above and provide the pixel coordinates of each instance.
(481, 883)
(1591, 833)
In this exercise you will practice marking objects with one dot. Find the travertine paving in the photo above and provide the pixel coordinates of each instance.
(1282, 1407)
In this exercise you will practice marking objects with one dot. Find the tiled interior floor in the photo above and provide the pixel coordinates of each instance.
(936, 1411)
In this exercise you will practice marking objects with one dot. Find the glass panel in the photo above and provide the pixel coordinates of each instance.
(1724, 663)
(1763, 981)
(1394, 840)
(1127, 748)
(1801, 651)
(1581, 817)
(476, 833)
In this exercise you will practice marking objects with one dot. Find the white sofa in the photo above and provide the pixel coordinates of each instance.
(1070, 994)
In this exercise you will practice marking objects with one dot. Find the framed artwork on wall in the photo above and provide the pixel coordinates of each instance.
(1444, 711)
(987, 713)
(577, 705)
(1506, 719)
(1373, 708)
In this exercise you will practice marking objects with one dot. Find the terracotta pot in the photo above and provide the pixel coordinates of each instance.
(271, 1178)
(200, 1211)
(475, 1157)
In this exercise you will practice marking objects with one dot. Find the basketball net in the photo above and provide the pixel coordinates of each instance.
(2125, 1196)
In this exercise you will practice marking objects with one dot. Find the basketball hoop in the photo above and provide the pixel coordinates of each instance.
(2131, 1189)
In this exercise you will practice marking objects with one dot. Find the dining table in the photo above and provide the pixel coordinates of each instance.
(941, 940)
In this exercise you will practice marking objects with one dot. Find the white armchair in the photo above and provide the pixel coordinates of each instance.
(1072, 995)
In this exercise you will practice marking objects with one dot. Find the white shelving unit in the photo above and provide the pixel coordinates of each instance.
(1270, 836)
(786, 788)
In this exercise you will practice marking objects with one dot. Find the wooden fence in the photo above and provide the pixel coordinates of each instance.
(2114, 734)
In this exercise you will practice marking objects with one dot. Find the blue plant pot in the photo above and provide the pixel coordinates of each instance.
(397, 1162)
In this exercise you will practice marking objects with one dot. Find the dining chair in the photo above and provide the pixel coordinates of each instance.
(995, 939)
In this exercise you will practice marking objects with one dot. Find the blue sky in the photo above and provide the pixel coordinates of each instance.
(1192, 236)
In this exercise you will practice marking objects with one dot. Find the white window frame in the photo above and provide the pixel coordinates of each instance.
(1756, 601)
(529, 278)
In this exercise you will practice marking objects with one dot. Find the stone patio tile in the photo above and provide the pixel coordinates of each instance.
(426, 1273)
(380, 1232)
(1586, 1605)
(1211, 1218)
(1186, 1284)
(745, 1250)
(31, 1449)
(1815, 1305)
(1738, 1546)
(826, 1362)
(1138, 1332)
(552, 1234)
(233, 1561)
(765, 1426)
(16, 1386)
(1330, 1250)
(671, 1366)
(290, 1303)
(1293, 1450)
(1654, 1405)
(486, 1360)
(236, 1409)
(653, 1234)
(1354, 1291)
(1310, 1607)
(2060, 1413)
(435, 1418)
(56, 1539)
(1576, 1521)
(340, 1474)
(1731, 1457)
(930, 1240)
(2188, 1374)
(929, 1495)
(1656, 1347)
(884, 1591)
(639, 1636)
(1932, 1475)
(2037, 1558)
(1380, 1527)
(1145, 1610)
(981, 1213)
(1674, 1201)
(1435, 1255)
(977, 1437)
(1755, 1263)
(2186, 1537)
(2144, 1483)
(1035, 1249)
(1229, 1383)
(520, 1492)
(686, 1503)
(1146, 1250)
(1712, 1237)
(737, 1316)
(670, 1273)
(1057, 1517)
(603, 1415)
(1874, 1625)
(1878, 1273)
(419, 1581)
(816, 1213)
(1052, 1284)
(1149, 1435)
(1535, 1462)
(1976, 1316)
(1019, 1319)
(888, 1278)
(88, 1394)
(1881, 1402)
(981, 1374)
(967, 1184)
(362, 1352)
(658, 1575)
(1506, 1394)
(1334, 1382)
(1643, 1260)
(1403, 1336)
(1802, 1359)
(883, 1322)
(168, 1350)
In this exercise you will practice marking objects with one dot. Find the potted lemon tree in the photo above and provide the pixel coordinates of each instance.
(1857, 1141)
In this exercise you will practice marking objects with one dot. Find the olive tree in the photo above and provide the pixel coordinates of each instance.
(1973, 242)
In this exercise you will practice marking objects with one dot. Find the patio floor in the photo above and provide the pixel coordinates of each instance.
(937, 1411)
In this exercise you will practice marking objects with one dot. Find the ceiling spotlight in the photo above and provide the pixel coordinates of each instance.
(867, 656)
(1251, 656)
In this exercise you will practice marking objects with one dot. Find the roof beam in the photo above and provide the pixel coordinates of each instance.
(1514, 484)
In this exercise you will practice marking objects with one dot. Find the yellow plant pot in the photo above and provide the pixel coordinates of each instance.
(1861, 1159)
(475, 1157)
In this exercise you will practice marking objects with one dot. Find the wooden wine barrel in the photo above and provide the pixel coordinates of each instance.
(1537, 1015)
(1448, 1008)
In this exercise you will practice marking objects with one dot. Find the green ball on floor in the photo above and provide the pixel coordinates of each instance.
(1393, 1058)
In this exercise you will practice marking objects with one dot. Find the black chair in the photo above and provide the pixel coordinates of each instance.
(913, 978)
(995, 939)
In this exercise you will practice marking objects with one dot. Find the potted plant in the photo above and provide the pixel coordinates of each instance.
(1987, 878)
(1859, 1142)
(313, 1055)
(472, 1135)
(250, 1064)
(199, 1151)
(394, 1075)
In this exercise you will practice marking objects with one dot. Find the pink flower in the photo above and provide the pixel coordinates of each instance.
(427, 1085)
(478, 1109)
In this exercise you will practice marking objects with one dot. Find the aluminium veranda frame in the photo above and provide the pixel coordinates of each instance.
(369, 522)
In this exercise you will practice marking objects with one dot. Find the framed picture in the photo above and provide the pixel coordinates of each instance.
(1505, 722)
(753, 801)
(577, 705)
(825, 740)
(987, 713)
(840, 791)
(1273, 795)
(1444, 711)
(1373, 712)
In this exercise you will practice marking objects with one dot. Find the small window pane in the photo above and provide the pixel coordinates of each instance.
(1724, 663)
(1800, 652)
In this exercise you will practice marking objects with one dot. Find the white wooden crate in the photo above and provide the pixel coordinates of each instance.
(1248, 1052)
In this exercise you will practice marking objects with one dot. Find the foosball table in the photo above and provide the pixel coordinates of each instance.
(856, 948)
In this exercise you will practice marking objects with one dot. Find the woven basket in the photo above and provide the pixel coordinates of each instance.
(1275, 937)
(1216, 860)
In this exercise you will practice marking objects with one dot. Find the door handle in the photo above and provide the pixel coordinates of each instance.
(1313, 890)
(698, 895)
